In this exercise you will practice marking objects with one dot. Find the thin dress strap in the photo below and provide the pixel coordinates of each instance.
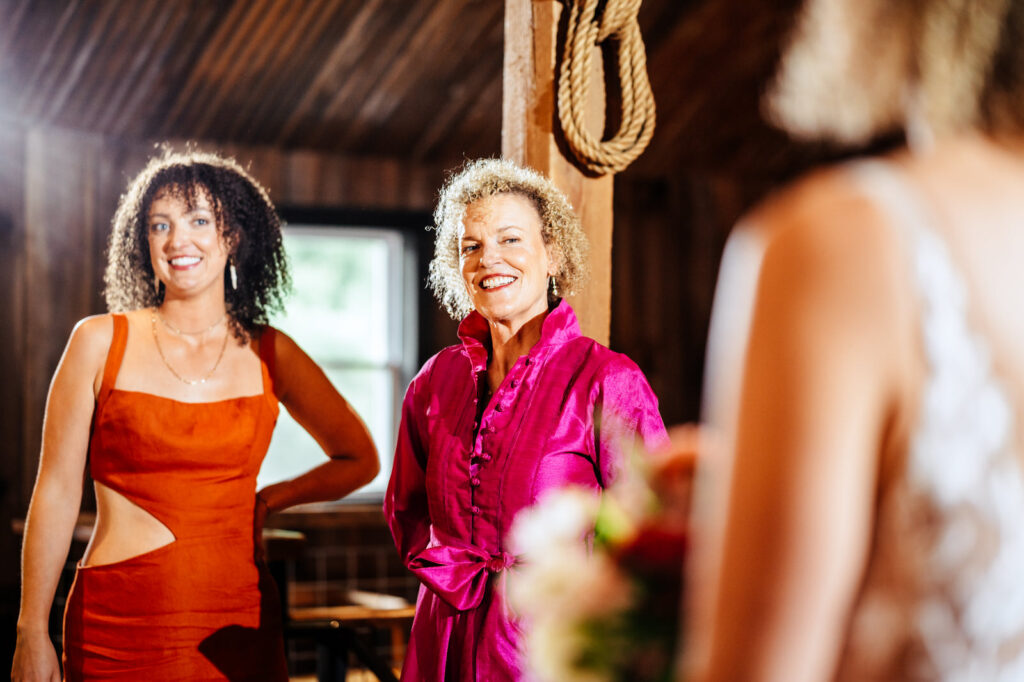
(114, 357)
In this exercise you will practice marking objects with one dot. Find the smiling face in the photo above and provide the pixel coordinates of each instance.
(504, 260)
(186, 246)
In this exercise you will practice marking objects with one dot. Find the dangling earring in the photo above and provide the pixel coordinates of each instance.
(234, 275)
(156, 285)
(554, 287)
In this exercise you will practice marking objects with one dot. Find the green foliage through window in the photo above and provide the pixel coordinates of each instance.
(351, 309)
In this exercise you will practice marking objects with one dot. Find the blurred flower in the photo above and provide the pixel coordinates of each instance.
(599, 582)
(561, 517)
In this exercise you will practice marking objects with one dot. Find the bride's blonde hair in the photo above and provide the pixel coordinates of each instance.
(857, 69)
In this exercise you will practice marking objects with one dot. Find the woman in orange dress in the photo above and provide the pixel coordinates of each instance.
(171, 399)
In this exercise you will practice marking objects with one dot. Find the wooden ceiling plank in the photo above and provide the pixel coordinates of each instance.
(45, 72)
(472, 58)
(141, 76)
(405, 70)
(440, 126)
(260, 72)
(111, 67)
(208, 67)
(301, 59)
(273, 70)
(480, 61)
(10, 27)
(173, 47)
(481, 104)
(146, 110)
(328, 127)
(322, 129)
(12, 93)
(480, 131)
(236, 61)
(85, 54)
(385, 37)
(101, 72)
(340, 60)
(384, 50)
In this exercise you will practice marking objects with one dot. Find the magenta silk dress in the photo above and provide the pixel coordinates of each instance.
(563, 416)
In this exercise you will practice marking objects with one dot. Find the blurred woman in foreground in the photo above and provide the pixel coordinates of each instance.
(869, 521)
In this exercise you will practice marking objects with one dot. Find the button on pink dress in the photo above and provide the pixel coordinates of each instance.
(565, 415)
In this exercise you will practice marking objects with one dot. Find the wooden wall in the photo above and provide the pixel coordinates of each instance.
(12, 240)
(667, 244)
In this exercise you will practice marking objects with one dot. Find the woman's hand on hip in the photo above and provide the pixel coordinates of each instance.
(259, 518)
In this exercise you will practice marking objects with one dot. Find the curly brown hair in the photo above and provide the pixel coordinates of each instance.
(244, 214)
(560, 227)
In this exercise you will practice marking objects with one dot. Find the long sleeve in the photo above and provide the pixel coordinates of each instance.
(405, 503)
(626, 417)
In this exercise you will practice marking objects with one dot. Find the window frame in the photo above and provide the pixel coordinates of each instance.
(417, 249)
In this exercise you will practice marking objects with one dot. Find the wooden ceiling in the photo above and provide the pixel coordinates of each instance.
(416, 79)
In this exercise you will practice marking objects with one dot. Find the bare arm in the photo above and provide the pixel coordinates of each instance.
(787, 514)
(310, 398)
(57, 496)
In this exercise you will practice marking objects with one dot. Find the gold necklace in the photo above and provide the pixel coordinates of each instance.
(179, 332)
(190, 382)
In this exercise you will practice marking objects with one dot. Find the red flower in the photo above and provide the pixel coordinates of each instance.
(655, 550)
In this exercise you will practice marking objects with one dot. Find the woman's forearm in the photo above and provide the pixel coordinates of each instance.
(49, 527)
(329, 481)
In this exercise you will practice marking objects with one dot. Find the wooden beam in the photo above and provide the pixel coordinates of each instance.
(529, 135)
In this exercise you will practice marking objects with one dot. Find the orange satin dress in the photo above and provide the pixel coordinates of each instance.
(199, 608)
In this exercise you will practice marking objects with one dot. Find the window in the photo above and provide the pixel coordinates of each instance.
(353, 309)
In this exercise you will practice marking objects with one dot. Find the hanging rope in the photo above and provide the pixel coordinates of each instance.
(585, 30)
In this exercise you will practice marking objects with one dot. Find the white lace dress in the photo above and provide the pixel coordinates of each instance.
(943, 596)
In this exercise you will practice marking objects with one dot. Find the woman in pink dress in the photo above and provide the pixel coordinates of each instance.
(522, 405)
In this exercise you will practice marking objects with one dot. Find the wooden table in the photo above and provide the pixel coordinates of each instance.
(335, 629)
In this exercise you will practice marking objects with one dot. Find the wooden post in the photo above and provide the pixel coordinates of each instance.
(528, 136)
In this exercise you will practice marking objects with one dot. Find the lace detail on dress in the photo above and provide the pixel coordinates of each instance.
(944, 592)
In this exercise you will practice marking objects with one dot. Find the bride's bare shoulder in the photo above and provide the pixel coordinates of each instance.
(823, 217)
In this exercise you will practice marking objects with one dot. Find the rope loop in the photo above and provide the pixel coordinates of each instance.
(618, 21)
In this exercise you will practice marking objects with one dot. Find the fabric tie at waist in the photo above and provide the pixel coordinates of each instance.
(458, 574)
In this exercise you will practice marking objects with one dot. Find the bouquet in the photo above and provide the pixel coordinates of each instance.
(599, 580)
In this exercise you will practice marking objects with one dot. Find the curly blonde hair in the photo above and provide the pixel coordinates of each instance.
(482, 178)
(855, 70)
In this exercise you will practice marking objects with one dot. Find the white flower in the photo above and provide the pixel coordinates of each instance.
(553, 647)
(561, 518)
(569, 585)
